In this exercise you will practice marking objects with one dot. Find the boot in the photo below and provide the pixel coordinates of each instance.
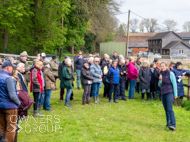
(148, 96)
(180, 102)
(88, 102)
(142, 94)
(36, 114)
(176, 102)
(84, 103)
(156, 96)
(97, 99)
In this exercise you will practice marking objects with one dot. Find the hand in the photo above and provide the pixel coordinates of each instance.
(28, 72)
(184, 74)
(121, 73)
(175, 97)
(73, 76)
(100, 77)
(124, 72)
(160, 77)
(179, 77)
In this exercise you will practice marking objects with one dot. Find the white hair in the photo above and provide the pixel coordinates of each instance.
(122, 60)
(67, 61)
(48, 65)
(110, 61)
(96, 59)
(121, 57)
(19, 65)
(91, 59)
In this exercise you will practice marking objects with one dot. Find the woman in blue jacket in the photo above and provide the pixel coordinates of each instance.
(113, 78)
(179, 74)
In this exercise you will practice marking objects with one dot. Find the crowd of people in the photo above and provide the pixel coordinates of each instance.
(156, 80)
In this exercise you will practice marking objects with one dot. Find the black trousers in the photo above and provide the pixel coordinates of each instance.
(126, 84)
(87, 91)
(36, 99)
(106, 89)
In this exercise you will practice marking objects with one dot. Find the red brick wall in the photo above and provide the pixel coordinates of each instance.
(136, 50)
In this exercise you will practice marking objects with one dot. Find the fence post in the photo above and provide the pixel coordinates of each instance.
(188, 87)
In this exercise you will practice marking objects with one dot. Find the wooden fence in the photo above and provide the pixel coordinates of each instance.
(188, 86)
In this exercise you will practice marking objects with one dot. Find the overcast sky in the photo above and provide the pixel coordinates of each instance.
(179, 10)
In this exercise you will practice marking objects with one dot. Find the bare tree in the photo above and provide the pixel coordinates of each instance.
(124, 27)
(141, 26)
(134, 25)
(186, 26)
(170, 25)
(149, 24)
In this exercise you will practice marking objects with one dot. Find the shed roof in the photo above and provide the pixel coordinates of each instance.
(162, 35)
(173, 44)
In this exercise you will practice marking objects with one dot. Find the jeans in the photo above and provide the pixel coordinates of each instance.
(95, 89)
(167, 101)
(137, 87)
(62, 91)
(47, 99)
(41, 98)
(36, 100)
(132, 88)
(68, 95)
(78, 77)
(145, 90)
(86, 94)
(121, 91)
(113, 88)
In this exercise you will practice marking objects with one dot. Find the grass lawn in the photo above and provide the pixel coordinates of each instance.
(128, 121)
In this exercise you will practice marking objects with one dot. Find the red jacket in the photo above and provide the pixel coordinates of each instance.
(36, 84)
(132, 72)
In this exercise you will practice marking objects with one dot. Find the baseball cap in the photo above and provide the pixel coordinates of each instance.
(43, 55)
(8, 63)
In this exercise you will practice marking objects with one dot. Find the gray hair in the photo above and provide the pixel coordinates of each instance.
(19, 65)
(91, 59)
(121, 57)
(96, 59)
(122, 60)
(67, 61)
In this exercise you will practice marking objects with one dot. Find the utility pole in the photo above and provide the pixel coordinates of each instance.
(126, 54)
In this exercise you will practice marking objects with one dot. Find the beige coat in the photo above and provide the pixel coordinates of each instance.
(49, 79)
(54, 67)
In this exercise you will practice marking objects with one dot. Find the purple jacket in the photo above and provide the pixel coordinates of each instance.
(132, 72)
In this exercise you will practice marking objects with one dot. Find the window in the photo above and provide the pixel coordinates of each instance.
(180, 51)
(189, 41)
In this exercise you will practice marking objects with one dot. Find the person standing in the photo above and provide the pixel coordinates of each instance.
(123, 74)
(127, 81)
(96, 71)
(138, 66)
(54, 66)
(156, 79)
(79, 63)
(145, 78)
(87, 79)
(9, 102)
(179, 74)
(168, 88)
(152, 87)
(66, 81)
(36, 86)
(23, 59)
(49, 85)
(114, 57)
(132, 74)
(113, 78)
(21, 70)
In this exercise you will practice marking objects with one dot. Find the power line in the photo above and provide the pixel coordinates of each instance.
(145, 18)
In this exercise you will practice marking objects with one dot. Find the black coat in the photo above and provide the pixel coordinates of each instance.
(122, 69)
(86, 75)
(145, 77)
(156, 78)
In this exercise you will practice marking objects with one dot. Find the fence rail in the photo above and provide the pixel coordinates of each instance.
(188, 86)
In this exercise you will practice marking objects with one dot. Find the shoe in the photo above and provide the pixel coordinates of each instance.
(73, 100)
(61, 100)
(132, 98)
(124, 99)
(172, 128)
(68, 104)
(116, 101)
(110, 101)
(143, 100)
(39, 112)
(88, 102)
(48, 109)
(84, 103)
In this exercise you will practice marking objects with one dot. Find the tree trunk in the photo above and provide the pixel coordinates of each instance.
(6, 38)
(73, 49)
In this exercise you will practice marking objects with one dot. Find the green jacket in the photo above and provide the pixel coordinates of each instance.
(66, 78)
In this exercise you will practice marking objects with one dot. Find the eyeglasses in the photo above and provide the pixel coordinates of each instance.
(96, 61)
(80, 54)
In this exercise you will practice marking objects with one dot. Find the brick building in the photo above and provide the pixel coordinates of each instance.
(137, 41)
